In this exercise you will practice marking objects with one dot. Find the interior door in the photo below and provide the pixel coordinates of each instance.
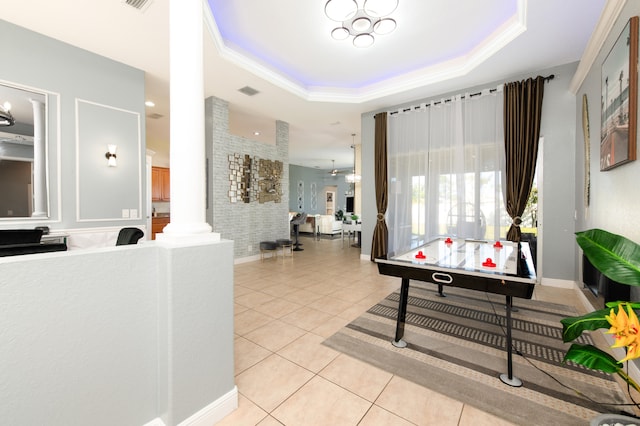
(330, 197)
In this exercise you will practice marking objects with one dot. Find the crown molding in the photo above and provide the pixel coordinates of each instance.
(455, 67)
(610, 14)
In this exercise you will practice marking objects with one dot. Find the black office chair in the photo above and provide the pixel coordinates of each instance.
(129, 236)
(296, 222)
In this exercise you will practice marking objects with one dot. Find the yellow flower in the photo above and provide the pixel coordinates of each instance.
(626, 328)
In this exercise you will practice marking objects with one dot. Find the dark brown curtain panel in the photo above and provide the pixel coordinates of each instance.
(379, 244)
(522, 112)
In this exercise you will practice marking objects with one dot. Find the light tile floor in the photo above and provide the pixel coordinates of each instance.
(285, 309)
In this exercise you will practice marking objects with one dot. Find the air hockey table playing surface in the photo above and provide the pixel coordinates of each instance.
(501, 267)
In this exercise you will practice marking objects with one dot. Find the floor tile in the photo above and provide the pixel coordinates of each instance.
(302, 296)
(247, 414)
(356, 376)
(247, 354)
(309, 352)
(271, 381)
(471, 416)
(419, 405)
(249, 320)
(377, 416)
(279, 290)
(277, 307)
(269, 421)
(321, 403)
(330, 305)
(306, 318)
(250, 300)
(275, 335)
(330, 327)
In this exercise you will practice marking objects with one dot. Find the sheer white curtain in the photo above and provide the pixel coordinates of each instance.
(446, 163)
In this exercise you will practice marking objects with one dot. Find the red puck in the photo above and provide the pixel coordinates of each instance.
(489, 263)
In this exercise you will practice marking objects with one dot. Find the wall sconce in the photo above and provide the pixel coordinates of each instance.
(6, 119)
(111, 155)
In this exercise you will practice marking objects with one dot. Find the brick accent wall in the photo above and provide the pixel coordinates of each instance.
(245, 223)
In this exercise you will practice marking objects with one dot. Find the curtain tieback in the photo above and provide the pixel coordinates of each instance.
(516, 221)
(380, 217)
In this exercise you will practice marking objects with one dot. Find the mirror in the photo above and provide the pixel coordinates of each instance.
(23, 154)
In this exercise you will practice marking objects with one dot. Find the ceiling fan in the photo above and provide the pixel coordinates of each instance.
(334, 171)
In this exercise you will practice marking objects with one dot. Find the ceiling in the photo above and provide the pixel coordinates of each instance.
(320, 86)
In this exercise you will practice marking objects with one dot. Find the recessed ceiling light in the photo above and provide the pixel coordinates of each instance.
(256, 133)
(150, 104)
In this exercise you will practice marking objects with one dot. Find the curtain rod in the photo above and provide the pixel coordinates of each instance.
(546, 80)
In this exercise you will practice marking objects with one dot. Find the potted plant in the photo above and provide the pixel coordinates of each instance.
(618, 258)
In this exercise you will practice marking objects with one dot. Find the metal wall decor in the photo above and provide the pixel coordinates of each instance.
(300, 195)
(239, 178)
(269, 181)
(314, 196)
(254, 179)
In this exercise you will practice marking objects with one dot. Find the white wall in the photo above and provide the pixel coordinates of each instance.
(94, 101)
(115, 336)
(615, 200)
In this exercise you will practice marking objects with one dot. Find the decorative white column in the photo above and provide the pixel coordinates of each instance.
(187, 154)
(39, 162)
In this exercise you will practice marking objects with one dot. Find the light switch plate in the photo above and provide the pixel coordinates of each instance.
(125, 213)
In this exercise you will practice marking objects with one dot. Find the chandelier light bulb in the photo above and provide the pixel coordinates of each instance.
(340, 10)
(363, 40)
(340, 33)
(361, 25)
(380, 8)
(384, 26)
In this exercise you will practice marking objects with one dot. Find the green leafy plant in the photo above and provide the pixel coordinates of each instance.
(618, 258)
(354, 217)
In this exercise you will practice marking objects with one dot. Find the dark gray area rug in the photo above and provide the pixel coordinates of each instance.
(456, 346)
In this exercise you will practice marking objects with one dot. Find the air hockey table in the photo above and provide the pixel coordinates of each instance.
(499, 267)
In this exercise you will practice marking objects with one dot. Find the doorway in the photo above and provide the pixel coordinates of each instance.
(330, 197)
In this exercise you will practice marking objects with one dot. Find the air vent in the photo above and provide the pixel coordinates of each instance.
(141, 5)
(249, 91)
(155, 116)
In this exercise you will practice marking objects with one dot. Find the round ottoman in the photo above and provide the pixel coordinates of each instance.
(287, 247)
(268, 247)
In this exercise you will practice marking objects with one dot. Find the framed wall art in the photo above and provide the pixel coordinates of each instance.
(620, 99)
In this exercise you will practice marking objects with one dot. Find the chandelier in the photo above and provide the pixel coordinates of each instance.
(6, 119)
(361, 23)
(353, 177)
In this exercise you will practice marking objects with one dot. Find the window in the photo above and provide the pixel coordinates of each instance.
(446, 163)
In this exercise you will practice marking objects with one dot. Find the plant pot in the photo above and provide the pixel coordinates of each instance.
(614, 419)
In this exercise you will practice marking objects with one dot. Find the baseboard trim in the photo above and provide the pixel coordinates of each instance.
(214, 412)
(552, 282)
(246, 259)
(155, 422)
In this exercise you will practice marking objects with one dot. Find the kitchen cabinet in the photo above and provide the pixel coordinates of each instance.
(158, 224)
(160, 184)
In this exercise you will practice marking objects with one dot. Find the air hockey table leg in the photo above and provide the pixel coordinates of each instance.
(509, 378)
(441, 291)
(402, 314)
